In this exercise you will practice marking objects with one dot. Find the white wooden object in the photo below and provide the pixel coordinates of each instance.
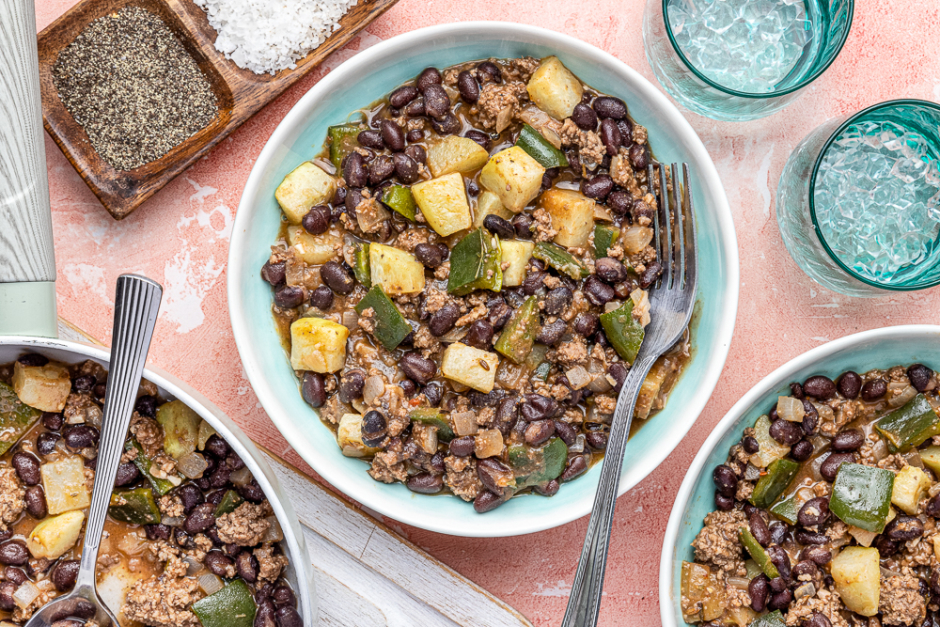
(366, 574)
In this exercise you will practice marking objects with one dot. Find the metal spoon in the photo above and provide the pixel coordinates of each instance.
(135, 313)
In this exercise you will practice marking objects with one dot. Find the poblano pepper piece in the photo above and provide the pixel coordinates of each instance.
(861, 496)
(518, 336)
(361, 269)
(390, 326)
(232, 606)
(624, 332)
(434, 418)
(771, 485)
(909, 425)
(399, 199)
(560, 259)
(538, 465)
(230, 501)
(540, 148)
(343, 139)
(16, 417)
(605, 236)
(753, 547)
(774, 619)
(475, 264)
(137, 507)
(161, 486)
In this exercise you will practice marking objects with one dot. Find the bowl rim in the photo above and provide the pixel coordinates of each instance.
(299, 115)
(233, 436)
(769, 383)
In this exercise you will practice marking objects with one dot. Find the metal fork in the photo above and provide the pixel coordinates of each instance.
(671, 303)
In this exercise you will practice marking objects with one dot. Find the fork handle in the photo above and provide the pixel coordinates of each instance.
(585, 599)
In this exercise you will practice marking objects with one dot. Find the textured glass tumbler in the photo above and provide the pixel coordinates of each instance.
(831, 19)
(797, 211)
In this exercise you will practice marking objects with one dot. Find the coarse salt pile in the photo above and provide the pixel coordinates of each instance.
(271, 35)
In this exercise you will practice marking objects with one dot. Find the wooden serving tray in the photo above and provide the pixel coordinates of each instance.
(241, 93)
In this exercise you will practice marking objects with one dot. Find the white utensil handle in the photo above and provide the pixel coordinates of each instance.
(27, 263)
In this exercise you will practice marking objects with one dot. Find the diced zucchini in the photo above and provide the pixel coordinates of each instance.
(605, 236)
(399, 199)
(857, 574)
(540, 148)
(443, 201)
(774, 619)
(317, 344)
(230, 501)
(489, 203)
(572, 216)
(554, 89)
(560, 259)
(16, 417)
(143, 463)
(475, 264)
(909, 425)
(861, 496)
(703, 595)
(304, 188)
(931, 458)
(488, 443)
(52, 537)
(516, 253)
(180, 428)
(137, 507)
(232, 606)
(471, 366)
(513, 176)
(623, 331)
(910, 486)
(314, 249)
(397, 271)
(349, 437)
(779, 475)
(537, 465)
(44, 387)
(343, 140)
(390, 326)
(756, 551)
(433, 417)
(63, 481)
(455, 154)
(770, 449)
(361, 269)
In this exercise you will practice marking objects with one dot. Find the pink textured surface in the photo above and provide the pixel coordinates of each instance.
(180, 238)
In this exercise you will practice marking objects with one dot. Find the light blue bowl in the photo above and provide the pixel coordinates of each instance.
(359, 82)
(880, 348)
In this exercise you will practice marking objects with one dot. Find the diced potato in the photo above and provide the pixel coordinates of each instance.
(517, 254)
(554, 89)
(936, 546)
(349, 437)
(740, 616)
(770, 449)
(931, 458)
(52, 537)
(180, 428)
(304, 188)
(44, 387)
(513, 176)
(488, 443)
(857, 574)
(317, 344)
(314, 249)
(489, 203)
(455, 154)
(64, 484)
(865, 537)
(910, 486)
(443, 201)
(572, 216)
(395, 270)
(471, 366)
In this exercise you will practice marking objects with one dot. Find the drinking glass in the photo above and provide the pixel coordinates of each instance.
(739, 60)
(858, 203)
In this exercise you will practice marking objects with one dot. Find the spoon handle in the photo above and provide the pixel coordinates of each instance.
(136, 304)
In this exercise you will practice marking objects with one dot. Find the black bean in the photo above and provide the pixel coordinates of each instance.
(785, 432)
(810, 418)
(802, 450)
(479, 137)
(920, 376)
(425, 483)
(337, 277)
(523, 225)
(807, 537)
(886, 547)
(393, 136)
(127, 473)
(830, 467)
(417, 154)
(489, 71)
(874, 390)
(609, 107)
(283, 596)
(751, 445)
(317, 220)
(533, 282)
(759, 589)
(807, 569)
(819, 387)
(219, 478)
(32, 360)
(402, 96)
(436, 102)
(619, 203)
(371, 139)
(234, 462)
(288, 617)
(597, 292)
(724, 503)
(64, 574)
(7, 589)
(247, 566)
(499, 226)
(380, 169)
(725, 480)
(289, 297)
(157, 532)
(639, 157)
(429, 76)
(584, 116)
(84, 383)
(549, 489)
(610, 135)
(780, 600)
(566, 432)
(778, 532)
(339, 198)
(849, 384)
(759, 528)
(434, 392)
(191, 497)
(13, 553)
(447, 126)
(27, 467)
(35, 499)
(480, 335)
(904, 528)
(405, 167)
(374, 428)
(650, 274)
(313, 389)
(351, 384)
(487, 501)
(494, 475)
(597, 187)
(53, 422)
(100, 390)
(816, 619)
(201, 518)
(848, 440)
(217, 446)
(219, 564)
(429, 255)
(78, 437)
(557, 300)
(355, 171)
(596, 439)
(353, 198)
(468, 87)
(538, 407)
(414, 135)
(462, 447)
(610, 270)
(539, 432)
(274, 273)
(322, 298)
(16, 575)
(414, 109)
(781, 560)
(251, 491)
(814, 513)
(818, 554)
(443, 319)
(576, 467)
(45, 443)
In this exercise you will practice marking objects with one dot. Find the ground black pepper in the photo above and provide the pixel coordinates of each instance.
(130, 83)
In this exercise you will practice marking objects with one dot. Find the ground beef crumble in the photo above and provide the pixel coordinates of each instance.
(590, 147)
(901, 602)
(148, 432)
(270, 563)
(499, 103)
(717, 543)
(461, 477)
(12, 495)
(162, 602)
(245, 526)
(826, 602)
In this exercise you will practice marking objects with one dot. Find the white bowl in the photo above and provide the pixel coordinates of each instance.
(879, 348)
(356, 84)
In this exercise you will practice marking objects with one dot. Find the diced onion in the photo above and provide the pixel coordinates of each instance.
(751, 472)
(455, 335)
(465, 422)
(172, 521)
(241, 476)
(274, 533)
(901, 399)
(25, 594)
(879, 451)
(739, 582)
(636, 238)
(601, 383)
(194, 565)
(210, 583)
(578, 377)
(174, 479)
(326, 165)
(825, 413)
(602, 213)
(913, 458)
(192, 466)
(790, 408)
(641, 306)
(808, 589)
(612, 306)
(130, 543)
(374, 387)
(578, 446)
(350, 319)
(885, 572)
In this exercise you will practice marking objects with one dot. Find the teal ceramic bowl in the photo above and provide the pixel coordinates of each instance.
(880, 348)
(362, 80)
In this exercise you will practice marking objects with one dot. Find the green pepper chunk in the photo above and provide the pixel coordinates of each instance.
(605, 236)
(861, 496)
(542, 370)
(518, 336)
(161, 486)
(538, 465)
(434, 418)
(16, 417)
(770, 486)
(540, 148)
(137, 507)
(624, 332)
(398, 198)
(230, 500)
(232, 606)
(560, 259)
(749, 542)
(774, 619)
(390, 326)
(786, 509)
(475, 264)
(361, 269)
(343, 139)
(909, 425)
